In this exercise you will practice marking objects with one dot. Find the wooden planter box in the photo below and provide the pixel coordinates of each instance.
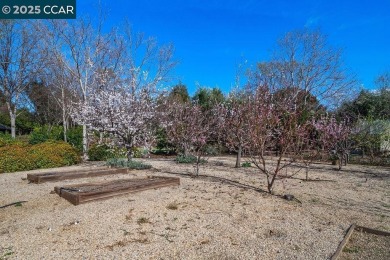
(57, 176)
(354, 228)
(83, 193)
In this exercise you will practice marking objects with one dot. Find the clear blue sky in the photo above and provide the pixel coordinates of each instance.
(211, 37)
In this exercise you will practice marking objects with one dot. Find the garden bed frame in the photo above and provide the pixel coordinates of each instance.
(351, 229)
(87, 192)
(75, 174)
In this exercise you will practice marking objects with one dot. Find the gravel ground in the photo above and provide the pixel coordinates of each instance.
(219, 215)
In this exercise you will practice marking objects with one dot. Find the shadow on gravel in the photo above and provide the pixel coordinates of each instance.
(216, 179)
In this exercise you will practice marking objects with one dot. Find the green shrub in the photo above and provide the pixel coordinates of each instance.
(188, 159)
(54, 154)
(74, 137)
(140, 152)
(246, 164)
(212, 150)
(6, 139)
(138, 165)
(44, 133)
(23, 157)
(124, 163)
(100, 152)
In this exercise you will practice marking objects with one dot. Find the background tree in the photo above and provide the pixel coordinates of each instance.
(46, 110)
(179, 93)
(19, 63)
(304, 60)
(208, 98)
(334, 135)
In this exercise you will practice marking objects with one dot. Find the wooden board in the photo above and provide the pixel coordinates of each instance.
(83, 193)
(57, 176)
(355, 228)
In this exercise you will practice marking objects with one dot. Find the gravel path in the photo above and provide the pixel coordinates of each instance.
(219, 215)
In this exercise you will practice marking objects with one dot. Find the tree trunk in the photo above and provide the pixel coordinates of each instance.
(197, 165)
(340, 162)
(100, 137)
(129, 154)
(13, 124)
(238, 159)
(85, 143)
(307, 171)
(185, 150)
(64, 121)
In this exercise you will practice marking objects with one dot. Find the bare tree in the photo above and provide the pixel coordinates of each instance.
(19, 63)
(305, 60)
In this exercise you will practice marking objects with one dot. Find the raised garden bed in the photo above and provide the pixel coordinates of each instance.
(87, 192)
(364, 243)
(58, 176)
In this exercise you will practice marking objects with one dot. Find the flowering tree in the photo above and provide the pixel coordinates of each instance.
(190, 127)
(233, 123)
(127, 116)
(274, 130)
(334, 135)
(123, 100)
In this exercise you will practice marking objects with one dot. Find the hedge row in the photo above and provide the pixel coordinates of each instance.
(22, 157)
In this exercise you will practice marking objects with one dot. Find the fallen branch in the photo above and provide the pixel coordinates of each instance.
(14, 203)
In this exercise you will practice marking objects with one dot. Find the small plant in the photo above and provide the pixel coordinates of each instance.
(188, 159)
(351, 249)
(246, 164)
(124, 163)
(5, 253)
(142, 220)
(138, 165)
(173, 206)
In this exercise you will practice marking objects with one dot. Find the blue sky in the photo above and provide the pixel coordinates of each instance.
(212, 37)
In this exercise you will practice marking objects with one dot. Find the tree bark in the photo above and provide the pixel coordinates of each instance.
(85, 143)
(13, 124)
(64, 122)
(238, 159)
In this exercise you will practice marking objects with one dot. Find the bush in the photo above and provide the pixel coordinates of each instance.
(6, 139)
(188, 159)
(74, 137)
(212, 150)
(17, 157)
(44, 133)
(56, 133)
(140, 152)
(100, 153)
(124, 163)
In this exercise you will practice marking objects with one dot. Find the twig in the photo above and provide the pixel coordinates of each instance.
(14, 203)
